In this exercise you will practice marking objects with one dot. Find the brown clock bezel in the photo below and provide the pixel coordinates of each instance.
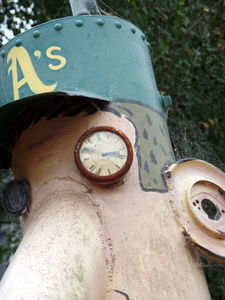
(108, 179)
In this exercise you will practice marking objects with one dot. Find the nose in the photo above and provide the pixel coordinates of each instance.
(61, 252)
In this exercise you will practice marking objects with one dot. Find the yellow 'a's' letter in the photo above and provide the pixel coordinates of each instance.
(21, 56)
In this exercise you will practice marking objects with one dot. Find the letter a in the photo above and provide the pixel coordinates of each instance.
(21, 56)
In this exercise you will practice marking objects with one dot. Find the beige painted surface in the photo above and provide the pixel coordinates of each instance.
(193, 182)
(84, 242)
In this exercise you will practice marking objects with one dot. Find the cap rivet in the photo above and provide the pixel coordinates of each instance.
(18, 42)
(3, 53)
(36, 33)
(79, 23)
(133, 30)
(100, 22)
(143, 37)
(118, 24)
(58, 26)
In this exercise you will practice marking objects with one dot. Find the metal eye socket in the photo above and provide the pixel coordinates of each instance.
(16, 197)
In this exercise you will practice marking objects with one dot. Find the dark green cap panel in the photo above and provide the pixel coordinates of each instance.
(95, 56)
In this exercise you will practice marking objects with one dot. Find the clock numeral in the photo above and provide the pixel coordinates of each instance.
(117, 166)
(86, 150)
(109, 172)
(98, 137)
(90, 141)
(99, 171)
(92, 167)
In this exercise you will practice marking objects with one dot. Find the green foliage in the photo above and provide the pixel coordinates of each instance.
(5, 176)
(9, 226)
(13, 234)
(188, 52)
(215, 275)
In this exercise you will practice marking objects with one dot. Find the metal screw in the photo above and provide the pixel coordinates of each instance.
(133, 30)
(143, 37)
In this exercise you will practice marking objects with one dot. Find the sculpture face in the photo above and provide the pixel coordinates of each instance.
(126, 240)
(94, 242)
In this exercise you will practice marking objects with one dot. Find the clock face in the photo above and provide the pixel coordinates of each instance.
(103, 154)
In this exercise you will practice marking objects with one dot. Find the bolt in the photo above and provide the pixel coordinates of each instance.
(79, 23)
(18, 42)
(58, 26)
(36, 33)
(133, 30)
(168, 174)
(3, 53)
(118, 24)
(100, 22)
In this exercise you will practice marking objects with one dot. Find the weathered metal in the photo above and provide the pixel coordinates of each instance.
(16, 197)
(83, 7)
(195, 182)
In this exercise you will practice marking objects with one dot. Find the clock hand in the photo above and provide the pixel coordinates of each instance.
(113, 153)
(89, 150)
